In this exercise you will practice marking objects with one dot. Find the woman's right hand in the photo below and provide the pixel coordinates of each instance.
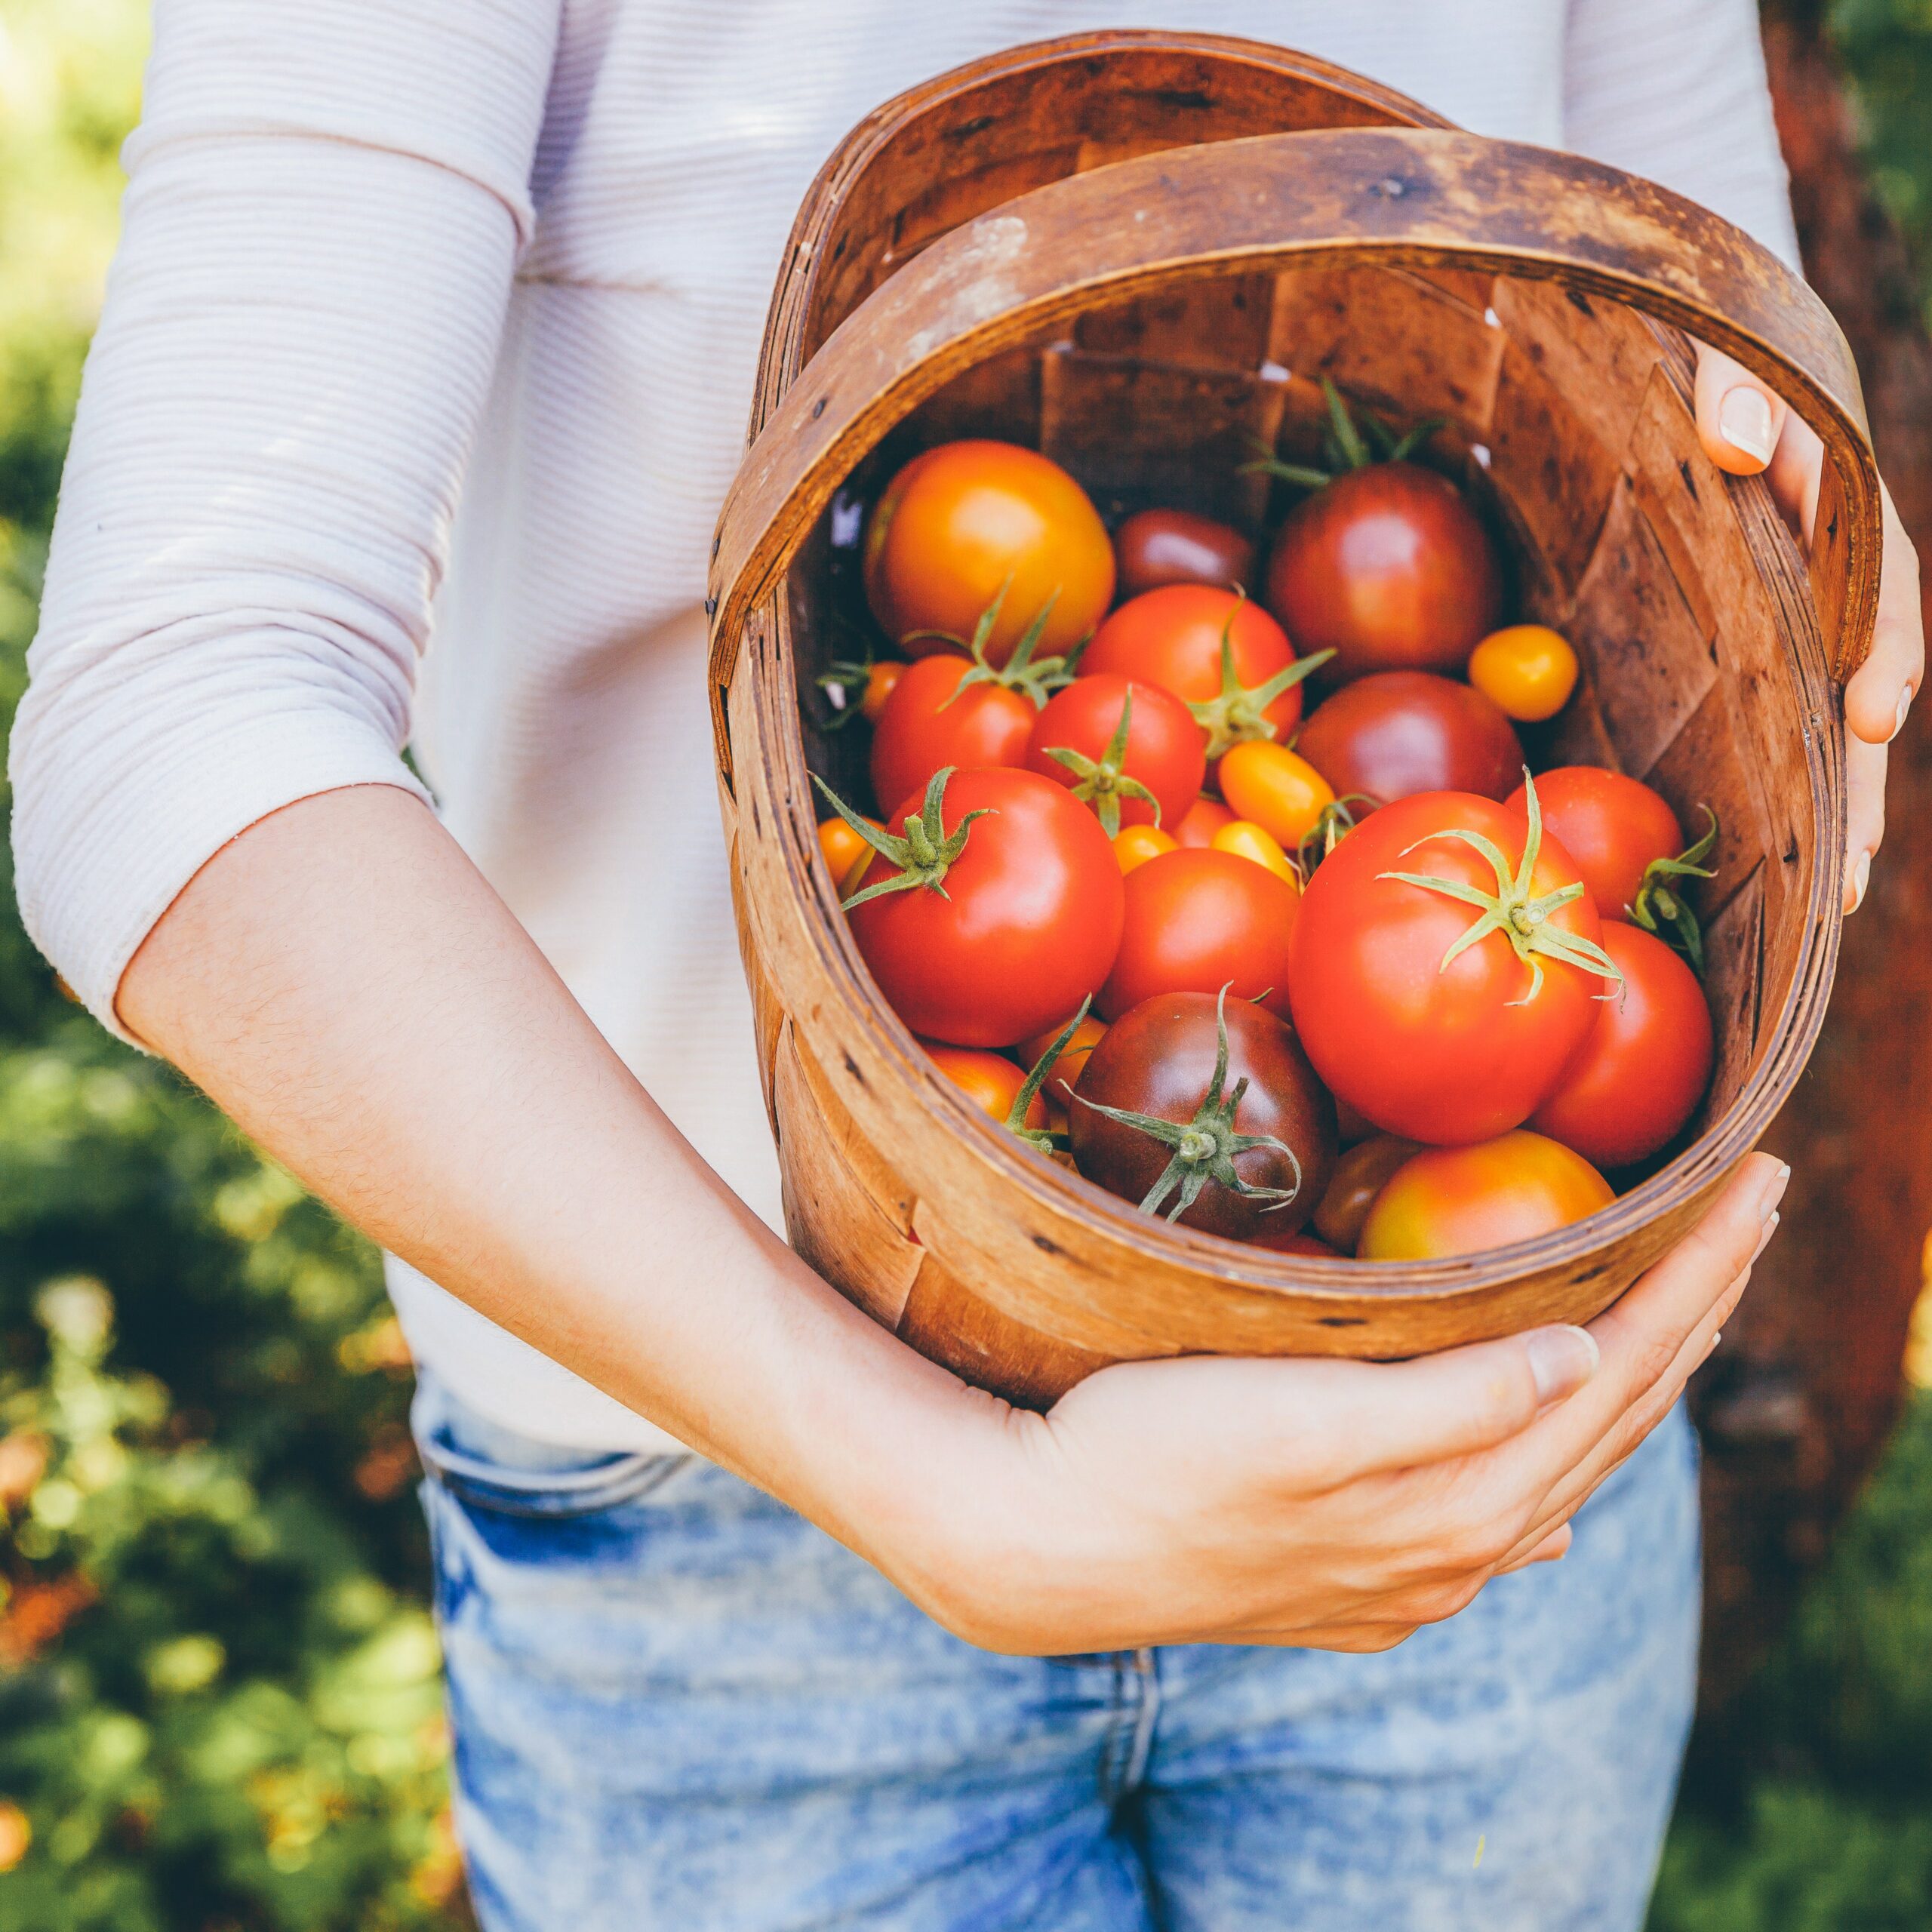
(1333, 1505)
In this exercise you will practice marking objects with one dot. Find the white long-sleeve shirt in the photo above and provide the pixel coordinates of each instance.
(424, 366)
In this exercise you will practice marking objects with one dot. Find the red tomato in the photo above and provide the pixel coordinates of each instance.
(925, 726)
(1156, 547)
(1388, 736)
(1427, 1046)
(1300, 1242)
(1026, 927)
(991, 1081)
(1613, 826)
(1462, 1200)
(1198, 824)
(1153, 780)
(1172, 637)
(1643, 1068)
(1388, 567)
(966, 519)
(1196, 922)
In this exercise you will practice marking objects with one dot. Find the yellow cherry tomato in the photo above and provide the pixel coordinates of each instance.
(1461, 1200)
(1136, 844)
(882, 682)
(845, 852)
(1277, 788)
(1526, 670)
(1247, 840)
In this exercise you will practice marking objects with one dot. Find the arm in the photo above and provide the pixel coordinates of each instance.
(1676, 90)
(220, 847)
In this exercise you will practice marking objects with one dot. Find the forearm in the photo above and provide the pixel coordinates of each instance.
(346, 986)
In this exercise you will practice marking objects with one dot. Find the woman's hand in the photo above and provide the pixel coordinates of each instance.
(1331, 1505)
(1746, 430)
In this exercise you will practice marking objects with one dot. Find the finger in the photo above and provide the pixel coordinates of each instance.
(1553, 1547)
(1877, 698)
(1738, 420)
(1865, 815)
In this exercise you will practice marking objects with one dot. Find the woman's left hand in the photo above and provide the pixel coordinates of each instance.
(1746, 430)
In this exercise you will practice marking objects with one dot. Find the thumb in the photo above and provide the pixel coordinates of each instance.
(1738, 420)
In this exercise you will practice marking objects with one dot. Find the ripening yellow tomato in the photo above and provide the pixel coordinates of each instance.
(989, 1080)
(845, 852)
(1277, 788)
(1137, 843)
(1461, 1200)
(1247, 840)
(1526, 670)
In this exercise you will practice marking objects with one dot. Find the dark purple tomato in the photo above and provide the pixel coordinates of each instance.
(1156, 547)
(1401, 732)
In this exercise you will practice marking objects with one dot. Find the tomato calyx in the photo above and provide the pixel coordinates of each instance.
(1345, 446)
(1038, 1139)
(1511, 910)
(1335, 820)
(1103, 782)
(1238, 711)
(924, 855)
(1658, 905)
(1020, 672)
(1204, 1148)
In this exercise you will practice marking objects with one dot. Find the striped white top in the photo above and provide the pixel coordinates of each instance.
(424, 366)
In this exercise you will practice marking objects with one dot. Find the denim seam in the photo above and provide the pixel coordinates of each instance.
(549, 1505)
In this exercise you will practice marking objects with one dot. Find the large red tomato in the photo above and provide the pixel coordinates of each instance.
(1388, 566)
(1441, 1017)
(1614, 827)
(1015, 917)
(1172, 637)
(931, 720)
(1153, 778)
(966, 521)
(1400, 732)
(1643, 1067)
(1462, 1200)
(1198, 921)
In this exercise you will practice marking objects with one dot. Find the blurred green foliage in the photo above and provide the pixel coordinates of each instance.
(219, 1707)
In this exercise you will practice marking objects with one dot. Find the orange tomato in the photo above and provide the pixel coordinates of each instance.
(1247, 840)
(1197, 825)
(1136, 844)
(991, 1081)
(966, 521)
(1277, 788)
(1526, 670)
(1072, 1062)
(1461, 1200)
(844, 850)
(880, 685)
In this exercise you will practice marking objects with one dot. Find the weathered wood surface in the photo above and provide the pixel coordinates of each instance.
(1707, 669)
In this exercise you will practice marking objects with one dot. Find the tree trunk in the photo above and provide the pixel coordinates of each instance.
(1798, 1404)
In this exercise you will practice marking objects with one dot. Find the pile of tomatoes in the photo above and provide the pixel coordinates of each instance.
(1251, 911)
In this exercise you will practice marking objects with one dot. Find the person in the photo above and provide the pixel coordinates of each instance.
(440, 317)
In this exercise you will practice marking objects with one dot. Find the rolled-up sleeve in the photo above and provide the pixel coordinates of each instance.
(1675, 90)
(324, 206)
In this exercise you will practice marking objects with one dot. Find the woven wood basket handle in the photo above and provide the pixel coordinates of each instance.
(1332, 196)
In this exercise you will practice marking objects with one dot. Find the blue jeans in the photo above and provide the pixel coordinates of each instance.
(679, 1705)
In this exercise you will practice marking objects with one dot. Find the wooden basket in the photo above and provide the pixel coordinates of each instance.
(1138, 252)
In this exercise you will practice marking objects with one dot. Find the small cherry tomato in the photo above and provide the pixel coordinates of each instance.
(1198, 825)
(966, 521)
(1614, 827)
(1073, 1061)
(991, 1081)
(1153, 547)
(1247, 840)
(1137, 843)
(1197, 921)
(842, 846)
(1388, 736)
(1276, 788)
(881, 682)
(1360, 1174)
(934, 718)
(1172, 638)
(1526, 670)
(1130, 750)
(1461, 1200)
(1642, 1069)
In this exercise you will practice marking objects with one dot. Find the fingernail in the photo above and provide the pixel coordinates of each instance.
(1905, 705)
(1861, 878)
(1561, 1360)
(1765, 1234)
(1745, 417)
(1774, 1188)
